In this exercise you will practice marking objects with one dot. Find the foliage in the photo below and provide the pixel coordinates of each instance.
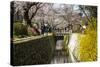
(91, 9)
(88, 43)
(26, 9)
(65, 44)
(93, 24)
(31, 31)
(19, 29)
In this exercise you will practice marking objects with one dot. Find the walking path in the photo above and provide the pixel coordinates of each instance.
(72, 46)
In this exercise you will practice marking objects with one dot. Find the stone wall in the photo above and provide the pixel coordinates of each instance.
(33, 51)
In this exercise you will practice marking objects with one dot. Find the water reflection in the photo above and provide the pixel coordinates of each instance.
(59, 55)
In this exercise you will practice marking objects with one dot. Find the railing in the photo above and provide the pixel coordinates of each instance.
(62, 32)
(19, 40)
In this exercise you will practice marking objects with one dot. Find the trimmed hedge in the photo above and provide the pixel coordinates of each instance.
(37, 51)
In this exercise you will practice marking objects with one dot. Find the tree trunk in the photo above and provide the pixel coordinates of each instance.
(26, 17)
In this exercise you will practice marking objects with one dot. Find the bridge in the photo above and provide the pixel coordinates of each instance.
(62, 32)
(59, 34)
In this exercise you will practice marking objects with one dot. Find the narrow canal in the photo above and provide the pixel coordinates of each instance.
(59, 55)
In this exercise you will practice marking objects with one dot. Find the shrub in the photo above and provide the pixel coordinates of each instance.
(32, 31)
(19, 29)
(65, 44)
(88, 44)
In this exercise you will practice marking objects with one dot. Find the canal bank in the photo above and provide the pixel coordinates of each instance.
(71, 46)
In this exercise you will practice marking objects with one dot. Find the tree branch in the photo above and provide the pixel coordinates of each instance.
(37, 7)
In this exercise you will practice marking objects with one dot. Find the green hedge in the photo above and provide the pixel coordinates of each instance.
(19, 29)
(37, 51)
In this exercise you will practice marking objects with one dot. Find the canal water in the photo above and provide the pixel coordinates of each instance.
(59, 55)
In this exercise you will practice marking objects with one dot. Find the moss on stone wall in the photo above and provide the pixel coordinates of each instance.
(37, 51)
